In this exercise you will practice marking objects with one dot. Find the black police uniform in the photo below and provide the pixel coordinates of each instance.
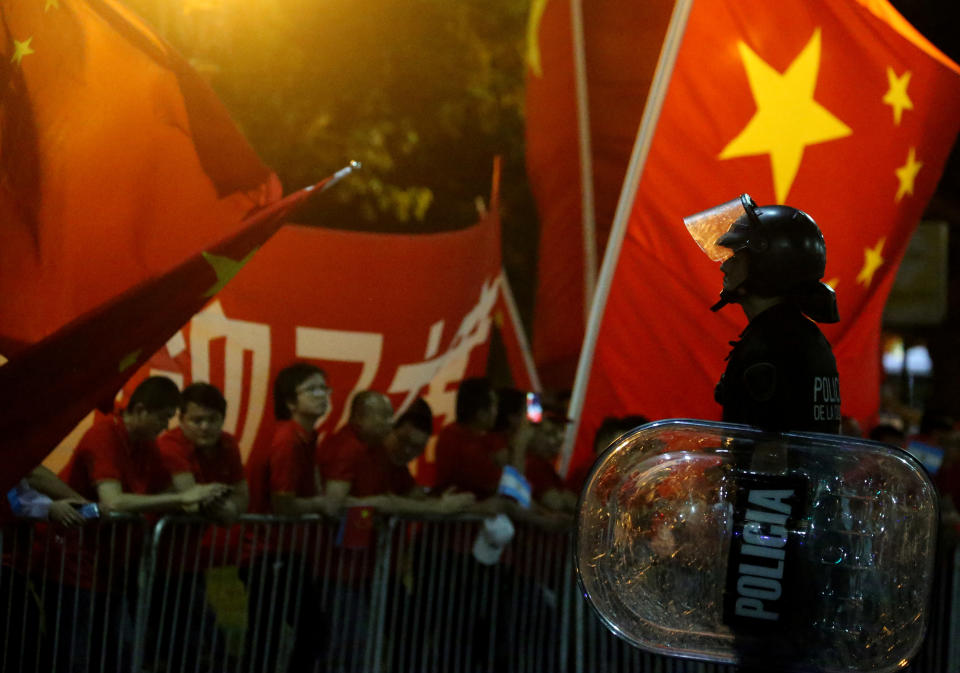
(781, 375)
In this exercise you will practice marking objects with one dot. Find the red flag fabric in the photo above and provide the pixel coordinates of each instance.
(830, 107)
(621, 42)
(407, 315)
(117, 162)
(50, 387)
(118, 166)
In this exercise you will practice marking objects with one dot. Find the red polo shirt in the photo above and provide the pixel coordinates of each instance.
(368, 469)
(465, 461)
(106, 452)
(220, 464)
(283, 466)
(205, 546)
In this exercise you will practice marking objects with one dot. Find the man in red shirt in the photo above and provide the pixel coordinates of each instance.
(117, 463)
(200, 452)
(469, 456)
(284, 480)
(352, 452)
(364, 466)
(196, 452)
(282, 476)
(368, 457)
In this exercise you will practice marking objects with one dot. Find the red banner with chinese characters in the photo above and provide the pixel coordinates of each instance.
(839, 109)
(407, 315)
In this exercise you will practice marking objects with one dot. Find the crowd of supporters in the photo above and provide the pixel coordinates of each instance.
(130, 462)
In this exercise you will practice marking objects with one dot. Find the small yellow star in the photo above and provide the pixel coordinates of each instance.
(498, 319)
(225, 268)
(130, 359)
(787, 119)
(907, 174)
(896, 96)
(872, 259)
(21, 49)
(51, 3)
(533, 36)
(833, 282)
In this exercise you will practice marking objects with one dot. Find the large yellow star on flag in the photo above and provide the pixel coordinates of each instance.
(787, 117)
(896, 96)
(533, 36)
(225, 268)
(907, 174)
(872, 259)
(21, 49)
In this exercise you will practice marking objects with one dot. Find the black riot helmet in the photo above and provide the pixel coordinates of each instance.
(785, 250)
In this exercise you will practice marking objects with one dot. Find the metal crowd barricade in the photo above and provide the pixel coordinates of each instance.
(285, 594)
(444, 611)
(266, 594)
(67, 596)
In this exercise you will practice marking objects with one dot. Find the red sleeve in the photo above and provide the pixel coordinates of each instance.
(173, 454)
(285, 465)
(233, 462)
(338, 457)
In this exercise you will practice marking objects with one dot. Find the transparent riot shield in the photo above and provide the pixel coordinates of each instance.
(792, 552)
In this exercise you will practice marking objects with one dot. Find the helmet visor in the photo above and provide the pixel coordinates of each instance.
(708, 226)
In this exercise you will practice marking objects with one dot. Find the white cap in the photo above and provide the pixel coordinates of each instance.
(494, 535)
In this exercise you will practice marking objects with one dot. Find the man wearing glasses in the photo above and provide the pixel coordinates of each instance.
(284, 480)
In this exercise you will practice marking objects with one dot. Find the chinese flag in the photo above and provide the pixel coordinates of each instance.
(840, 109)
(124, 189)
(117, 162)
(620, 45)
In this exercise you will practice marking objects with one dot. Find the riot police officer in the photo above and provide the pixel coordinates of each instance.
(781, 374)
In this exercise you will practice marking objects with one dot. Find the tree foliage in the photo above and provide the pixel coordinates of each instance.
(423, 92)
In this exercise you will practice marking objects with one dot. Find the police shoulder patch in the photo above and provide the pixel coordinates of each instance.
(760, 380)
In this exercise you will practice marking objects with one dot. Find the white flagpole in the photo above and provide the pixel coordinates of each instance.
(517, 326)
(641, 148)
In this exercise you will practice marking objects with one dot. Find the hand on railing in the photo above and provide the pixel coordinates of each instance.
(203, 495)
(491, 506)
(223, 511)
(451, 502)
(64, 513)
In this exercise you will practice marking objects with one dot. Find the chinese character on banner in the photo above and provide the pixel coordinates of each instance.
(408, 315)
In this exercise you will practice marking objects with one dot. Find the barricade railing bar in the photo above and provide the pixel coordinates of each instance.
(269, 593)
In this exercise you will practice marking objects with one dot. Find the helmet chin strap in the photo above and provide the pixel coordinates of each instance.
(731, 296)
